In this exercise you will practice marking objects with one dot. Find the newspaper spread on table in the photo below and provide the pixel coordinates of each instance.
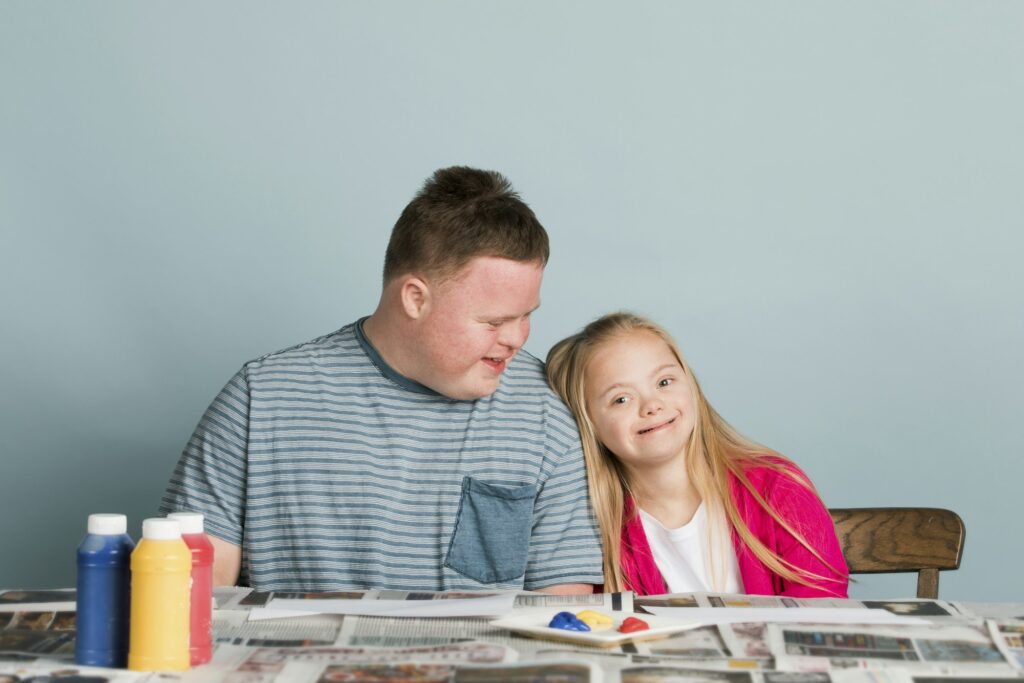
(959, 641)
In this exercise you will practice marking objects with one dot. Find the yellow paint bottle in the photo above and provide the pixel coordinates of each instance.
(161, 572)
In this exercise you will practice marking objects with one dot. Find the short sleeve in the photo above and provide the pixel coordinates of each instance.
(565, 545)
(210, 476)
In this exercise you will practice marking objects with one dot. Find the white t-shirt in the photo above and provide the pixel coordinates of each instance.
(683, 556)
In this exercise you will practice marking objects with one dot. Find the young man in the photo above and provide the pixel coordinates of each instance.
(418, 448)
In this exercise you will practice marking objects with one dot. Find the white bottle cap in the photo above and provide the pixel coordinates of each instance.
(191, 522)
(161, 529)
(107, 525)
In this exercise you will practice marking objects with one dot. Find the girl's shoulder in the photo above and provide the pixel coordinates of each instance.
(780, 484)
(770, 471)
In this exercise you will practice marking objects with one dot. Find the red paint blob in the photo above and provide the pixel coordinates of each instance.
(632, 625)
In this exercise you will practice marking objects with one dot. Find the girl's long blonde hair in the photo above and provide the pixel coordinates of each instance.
(715, 452)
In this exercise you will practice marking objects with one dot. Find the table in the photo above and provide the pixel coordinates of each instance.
(966, 641)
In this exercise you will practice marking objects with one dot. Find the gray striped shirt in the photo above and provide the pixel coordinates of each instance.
(334, 472)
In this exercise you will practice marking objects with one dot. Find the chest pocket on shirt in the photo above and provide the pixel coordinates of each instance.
(491, 540)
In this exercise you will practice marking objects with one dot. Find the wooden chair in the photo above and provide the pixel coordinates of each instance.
(882, 540)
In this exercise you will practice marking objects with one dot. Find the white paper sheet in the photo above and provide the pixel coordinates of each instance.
(488, 606)
(804, 615)
(39, 607)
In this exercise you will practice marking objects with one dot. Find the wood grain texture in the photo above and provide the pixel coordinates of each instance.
(883, 540)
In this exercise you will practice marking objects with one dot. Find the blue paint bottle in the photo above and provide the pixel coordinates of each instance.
(104, 583)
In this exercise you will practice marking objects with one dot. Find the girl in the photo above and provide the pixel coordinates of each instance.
(684, 502)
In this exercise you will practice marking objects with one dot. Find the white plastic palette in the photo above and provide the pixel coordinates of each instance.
(535, 625)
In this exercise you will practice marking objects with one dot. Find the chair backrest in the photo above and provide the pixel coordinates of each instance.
(881, 540)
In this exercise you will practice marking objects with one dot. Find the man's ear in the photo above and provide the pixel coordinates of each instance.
(415, 297)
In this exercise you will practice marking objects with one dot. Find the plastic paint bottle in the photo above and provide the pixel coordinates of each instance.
(103, 592)
(161, 572)
(200, 633)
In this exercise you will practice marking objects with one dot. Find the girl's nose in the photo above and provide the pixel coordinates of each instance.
(650, 406)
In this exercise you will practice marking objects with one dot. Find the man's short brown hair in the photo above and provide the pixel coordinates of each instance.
(462, 213)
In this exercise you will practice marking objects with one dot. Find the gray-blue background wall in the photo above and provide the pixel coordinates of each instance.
(822, 200)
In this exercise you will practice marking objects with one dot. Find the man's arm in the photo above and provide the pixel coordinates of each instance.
(568, 589)
(227, 562)
(210, 476)
(565, 547)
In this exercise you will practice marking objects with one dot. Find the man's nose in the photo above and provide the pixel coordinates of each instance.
(514, 333)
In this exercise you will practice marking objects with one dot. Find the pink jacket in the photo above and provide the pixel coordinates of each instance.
(794, 503)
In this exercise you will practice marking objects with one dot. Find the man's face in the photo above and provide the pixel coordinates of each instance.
(475, 323)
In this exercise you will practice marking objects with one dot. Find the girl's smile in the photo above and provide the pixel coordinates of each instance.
(657, 428)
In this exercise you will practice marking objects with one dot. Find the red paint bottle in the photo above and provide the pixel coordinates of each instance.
(201, 606)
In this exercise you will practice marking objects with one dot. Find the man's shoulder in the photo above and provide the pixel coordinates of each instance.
(525, 383)
(526, 367)
(331, 347)
(525, 376)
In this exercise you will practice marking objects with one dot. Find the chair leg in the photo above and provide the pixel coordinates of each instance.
(928, 583)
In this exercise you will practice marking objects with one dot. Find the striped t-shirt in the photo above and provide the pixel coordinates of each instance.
(334, 472)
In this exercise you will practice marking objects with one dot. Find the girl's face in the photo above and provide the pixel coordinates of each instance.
(640, 400)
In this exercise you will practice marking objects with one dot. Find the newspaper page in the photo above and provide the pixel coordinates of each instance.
(608, 602)
(943, 649)
(29, 635)
(252, 599)
(1009, 638)
(273, 659)
(228, 597)
(708, 664)
(532, 672)
(56, 600)
(672, 674)
(469, 662)
(653, 673)
(491, 606)
(668, 600)
(934, 610)
(614, 661)
(245, 598)
(395, 632)
(991, 610)
(233, 627)
(657, 668)
(699, 643)
(262, 605)
(749, 640)
(842, 676)
(649, 669)
(768, 601)
(50, 672)
(909, 607)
